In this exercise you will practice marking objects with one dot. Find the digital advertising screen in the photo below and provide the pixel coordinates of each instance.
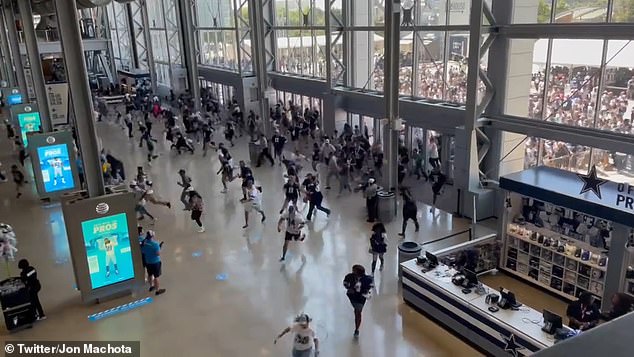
(29, 122)
(13, 99)
(108, 251)
(57, 174)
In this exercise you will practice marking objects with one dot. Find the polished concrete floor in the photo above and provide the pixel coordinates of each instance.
(240, 316)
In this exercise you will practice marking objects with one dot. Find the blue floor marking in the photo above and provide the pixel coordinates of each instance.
(221, 277)
(119, 309)
(197, 254)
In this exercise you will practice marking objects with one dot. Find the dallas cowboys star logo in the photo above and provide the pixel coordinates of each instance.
(511, 346)
(591, 182)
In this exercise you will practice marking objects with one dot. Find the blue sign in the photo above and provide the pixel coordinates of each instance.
(55, 165)
(13, 99)
(108, 252)
(29, 122)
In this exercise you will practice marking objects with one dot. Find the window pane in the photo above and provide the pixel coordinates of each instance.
(431, 13)
(405, 63)
(430, 57)
(573, 81)
(615, 112)
(155, 13)
(526, 77)
(623, 11)
(218, 13)
(532, 11)
(581, 11)
(564, 156)
(459, 12)
(614, 166)
(456, 62)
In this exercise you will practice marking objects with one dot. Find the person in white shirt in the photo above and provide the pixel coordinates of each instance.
(294, 225)
(253, 202)
(305, 339)
(432, 153)
(264, 153)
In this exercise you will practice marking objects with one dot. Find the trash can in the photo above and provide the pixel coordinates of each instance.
(254, 152)
(387, 206)
(407, 250)
(16, 304)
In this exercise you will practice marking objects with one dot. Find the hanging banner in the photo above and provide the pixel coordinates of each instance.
(57, 95)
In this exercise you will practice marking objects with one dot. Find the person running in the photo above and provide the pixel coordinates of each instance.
(18, 179)
(196, 204)
(294, 225)
(378, 246)
(333, 169)
(410, 211)
(316, 157)
(207, 133)
(150, 152)
(28, 275)
(358, 289)
(264, 153)
(247, 176)
(226, 172)
(278, 145)
(140, 193)
(253, 202)
(438, 179)
(185, 183)
(419, 169)
(291, 192)
(314, 196)
(345, 171)
(128, 123)
(432, 152)
(372, 199)
(229, 133)
(151, 250)
(305, 338)
(151, 197)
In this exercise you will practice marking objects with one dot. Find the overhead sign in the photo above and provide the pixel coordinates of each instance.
(54, 164)
(57, 95)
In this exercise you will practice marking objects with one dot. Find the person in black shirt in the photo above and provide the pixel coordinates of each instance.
(438, 179)
(409, 211)
(358, 289)
(207, 133)
(18, 179)
(291, 193)
(29, 277)
(186, 182)
(621, 305)
(278, 145)
(315, 197)
(247, 176)
(583, 313)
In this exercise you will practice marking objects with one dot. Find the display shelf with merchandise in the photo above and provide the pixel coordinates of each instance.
(560, 273)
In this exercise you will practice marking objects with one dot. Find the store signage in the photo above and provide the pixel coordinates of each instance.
(625, 191)
(108, 250)
(28, 122)
(58, 103)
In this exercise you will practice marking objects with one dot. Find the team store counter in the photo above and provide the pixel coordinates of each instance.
(432, 293)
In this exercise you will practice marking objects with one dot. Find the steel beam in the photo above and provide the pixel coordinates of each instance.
(602, 31)
(68, 25)
(391, 87)
(9, 73)
(39, 85)
(9, 18)
(189, 46)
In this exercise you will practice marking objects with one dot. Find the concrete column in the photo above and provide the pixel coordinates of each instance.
(256, 19)
(149, 52)
(12, 32)
(80, 91)
(39, 85)
(332, 113)
(362, 62)
(189, 51)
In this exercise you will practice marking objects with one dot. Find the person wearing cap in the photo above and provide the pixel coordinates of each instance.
(305, 339)
(151, 250)
(372, 199)
(294, 225)
(196, 205)
(185, 183)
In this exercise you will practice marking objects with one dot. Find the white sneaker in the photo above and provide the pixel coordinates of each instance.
(224, 191)
(201, 230)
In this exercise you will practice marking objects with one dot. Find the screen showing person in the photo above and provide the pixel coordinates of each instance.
(55, 166)
(108, 252)
(29, 122)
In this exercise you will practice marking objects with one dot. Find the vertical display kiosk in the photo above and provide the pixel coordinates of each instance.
(27, 119)
(568, 233)
(104, 249)
(54, 165)
(12, 96)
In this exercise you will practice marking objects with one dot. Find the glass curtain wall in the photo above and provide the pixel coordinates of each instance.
(120, 35)
(576, 82)
(224, 34)
(299, 27)
(164, 33)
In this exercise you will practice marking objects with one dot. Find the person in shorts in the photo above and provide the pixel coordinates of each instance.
(305, 338)
(358, 289)
(151, 250)
(294, 225)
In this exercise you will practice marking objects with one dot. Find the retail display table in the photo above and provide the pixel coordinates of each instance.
(501, 333)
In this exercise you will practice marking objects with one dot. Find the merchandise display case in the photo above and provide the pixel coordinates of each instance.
(479, 255)
(568, 233)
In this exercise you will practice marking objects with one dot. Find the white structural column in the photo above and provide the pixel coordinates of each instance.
(8, 73)
(391, 91)
(35, 61)
(361, 63)
(517, 79)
